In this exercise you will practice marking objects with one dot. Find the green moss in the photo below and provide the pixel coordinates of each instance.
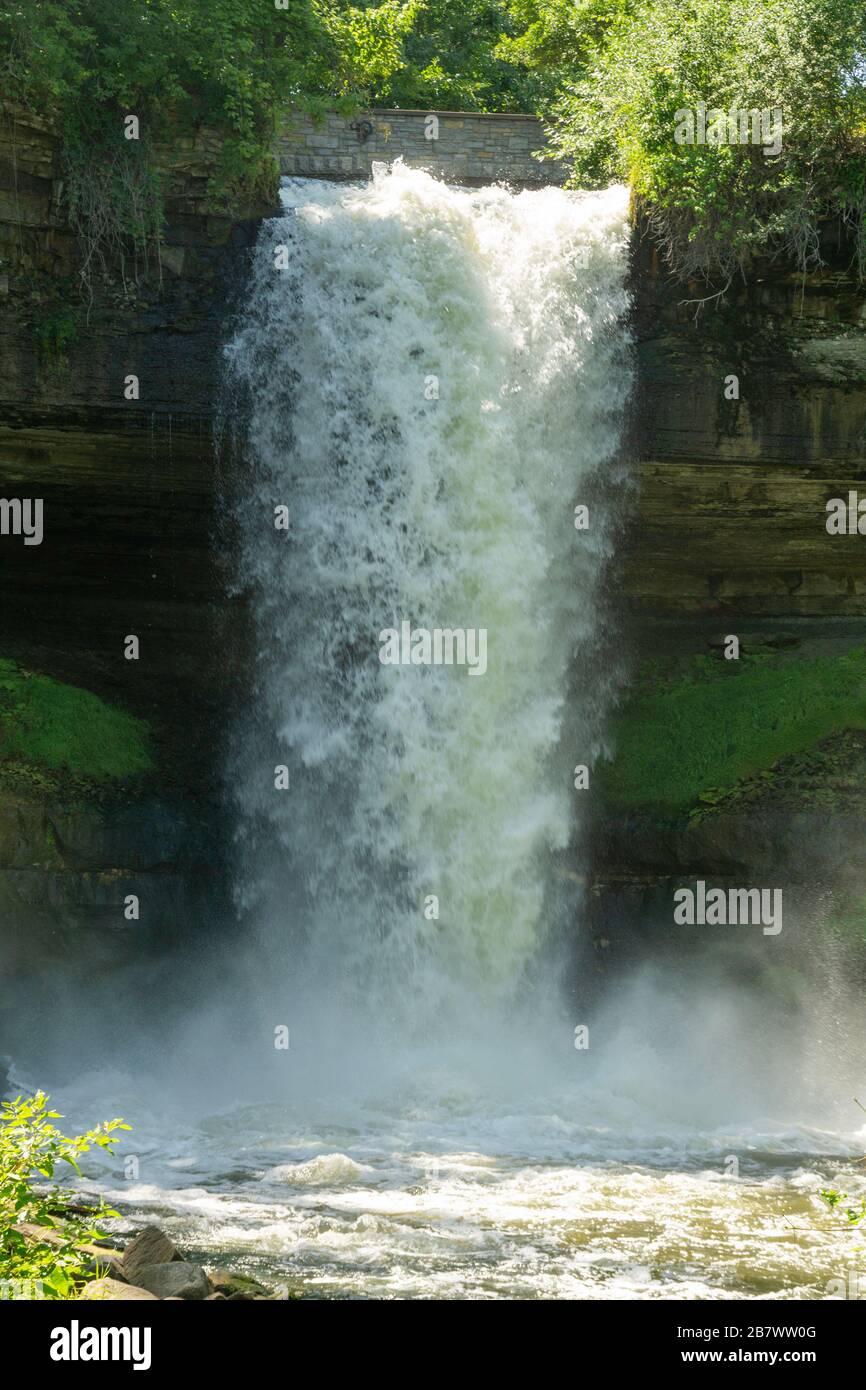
(49, 728)
(56, 332)
(698, 738)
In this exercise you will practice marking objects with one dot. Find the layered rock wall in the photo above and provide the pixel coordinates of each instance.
(752, 416)
(727, 525)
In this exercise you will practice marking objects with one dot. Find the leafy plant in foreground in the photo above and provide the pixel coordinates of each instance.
(31, 1149)
(854, 1215)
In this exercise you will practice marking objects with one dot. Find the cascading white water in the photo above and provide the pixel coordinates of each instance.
(436, 378)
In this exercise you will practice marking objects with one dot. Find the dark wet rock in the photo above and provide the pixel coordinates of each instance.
(731, 507)
(176, 1279)
(150, 1247)
(229, 1283)
(755, 641)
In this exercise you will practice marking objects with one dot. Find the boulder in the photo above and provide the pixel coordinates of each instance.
(231, 1284)
(150, 1247)
(113, 1289)
(176, 1279)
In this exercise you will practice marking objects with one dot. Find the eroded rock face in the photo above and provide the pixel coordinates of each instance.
(749, 416)
(129, 485)
(130, 505)
(734, 476)
(788, 824)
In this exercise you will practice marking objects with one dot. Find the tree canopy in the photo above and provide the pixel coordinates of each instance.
(628, 67)
(610, 77)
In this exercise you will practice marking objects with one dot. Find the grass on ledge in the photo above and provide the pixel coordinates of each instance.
(50, 730)
(675, 743)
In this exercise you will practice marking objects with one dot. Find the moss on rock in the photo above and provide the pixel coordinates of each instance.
(698, 738)
(50, 730)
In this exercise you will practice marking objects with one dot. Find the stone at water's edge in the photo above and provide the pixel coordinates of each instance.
(150, 1247)
(152, 1267)
(175, 1280)
(113, 1290)
(228, 1284)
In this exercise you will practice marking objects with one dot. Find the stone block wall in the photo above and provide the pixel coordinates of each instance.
(468, 148)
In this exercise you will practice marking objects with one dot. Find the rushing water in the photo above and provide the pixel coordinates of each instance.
(452, 1183)
(434, 379)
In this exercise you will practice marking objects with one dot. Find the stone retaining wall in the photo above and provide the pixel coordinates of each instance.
(462, 147)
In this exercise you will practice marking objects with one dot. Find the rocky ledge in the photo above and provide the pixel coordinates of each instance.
(149, 1266)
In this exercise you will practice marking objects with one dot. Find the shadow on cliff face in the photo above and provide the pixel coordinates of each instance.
(113, 865)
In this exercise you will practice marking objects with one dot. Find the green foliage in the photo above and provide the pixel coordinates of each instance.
(47, 725)
(610, 74)
(561, 37)
(700, 737)
(31, 1150)
(853, 1214)
(115, 203)
(628, 67)
(455, 57)
(235, 66)
(231, 64)
(56, 331)
(368, 43)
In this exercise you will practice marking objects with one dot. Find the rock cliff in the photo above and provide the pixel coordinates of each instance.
(726, 531)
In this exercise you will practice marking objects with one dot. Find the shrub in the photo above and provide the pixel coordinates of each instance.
(628, 66)
(31, 1149)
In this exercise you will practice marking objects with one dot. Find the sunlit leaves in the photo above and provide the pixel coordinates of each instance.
(32, 1149)
(714, 207)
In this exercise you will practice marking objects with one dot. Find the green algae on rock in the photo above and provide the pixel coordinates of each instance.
(49, 727)
(706, 732)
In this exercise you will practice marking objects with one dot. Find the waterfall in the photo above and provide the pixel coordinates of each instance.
(430, 380)
(435, 379)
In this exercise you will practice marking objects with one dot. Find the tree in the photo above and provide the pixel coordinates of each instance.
(628, 67)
